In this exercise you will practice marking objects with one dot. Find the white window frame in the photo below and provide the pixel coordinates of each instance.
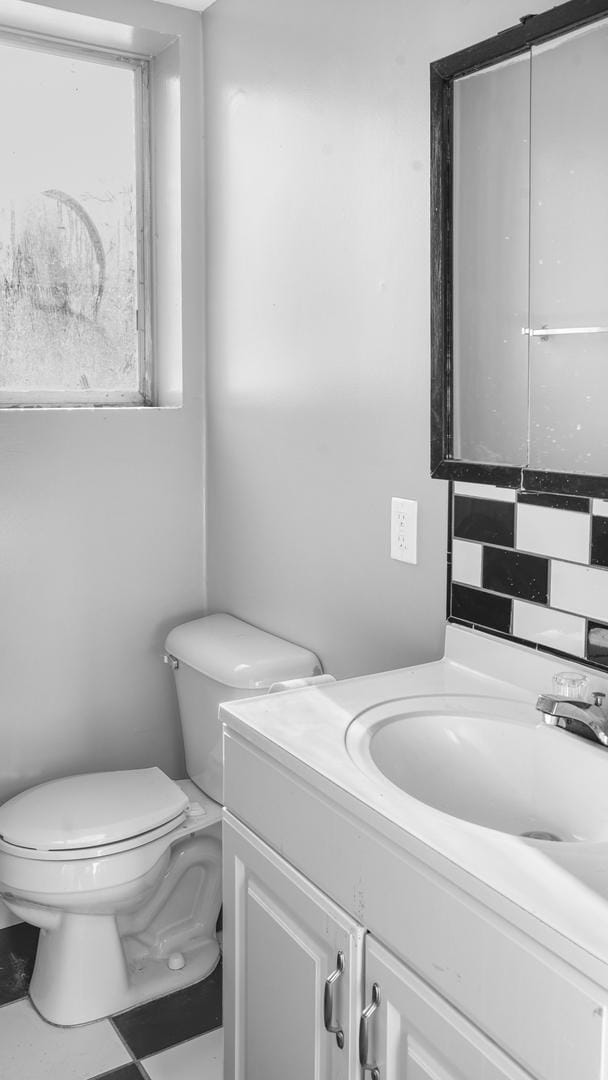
(170, 38)
(140, 65)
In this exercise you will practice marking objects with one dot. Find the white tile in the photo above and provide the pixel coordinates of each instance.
(551, 628)
(198, 1059)
(561, 534)
(581, 589)
(30, 1048)
(485, 491)
(600, 507)
(466, 562)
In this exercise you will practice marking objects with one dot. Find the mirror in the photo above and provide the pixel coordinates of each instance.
(520, 256)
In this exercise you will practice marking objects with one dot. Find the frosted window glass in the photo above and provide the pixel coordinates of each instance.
(68, 224)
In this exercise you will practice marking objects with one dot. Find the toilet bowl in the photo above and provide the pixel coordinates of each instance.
(122, 870)
(119, 917)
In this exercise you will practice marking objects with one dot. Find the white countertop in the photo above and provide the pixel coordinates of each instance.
(564, 885)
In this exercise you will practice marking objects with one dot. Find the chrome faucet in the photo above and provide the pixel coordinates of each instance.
(584, 718)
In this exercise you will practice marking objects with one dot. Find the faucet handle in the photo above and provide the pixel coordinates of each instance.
(598, 698)
(570, 684)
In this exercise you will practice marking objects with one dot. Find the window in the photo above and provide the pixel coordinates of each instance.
(74, 260)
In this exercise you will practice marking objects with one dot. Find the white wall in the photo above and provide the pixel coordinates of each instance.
(318, 217)
(101, 534)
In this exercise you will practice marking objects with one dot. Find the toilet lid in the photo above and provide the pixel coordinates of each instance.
(91, 810)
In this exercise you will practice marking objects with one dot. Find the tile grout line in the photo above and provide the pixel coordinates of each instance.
(122, 1039)
(528, 641)
(527, 551)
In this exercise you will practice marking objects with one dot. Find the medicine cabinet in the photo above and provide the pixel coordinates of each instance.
(520, 256)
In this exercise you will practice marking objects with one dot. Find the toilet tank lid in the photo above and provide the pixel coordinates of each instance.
(239, 655)
(91, 810)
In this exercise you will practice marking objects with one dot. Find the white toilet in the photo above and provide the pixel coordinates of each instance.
(122, 870)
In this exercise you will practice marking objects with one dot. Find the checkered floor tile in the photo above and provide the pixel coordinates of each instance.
(178, 1037)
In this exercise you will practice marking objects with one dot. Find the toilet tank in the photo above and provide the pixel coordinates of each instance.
(220, 658)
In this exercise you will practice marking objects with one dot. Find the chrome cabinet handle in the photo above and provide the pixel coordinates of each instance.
(328, 1001)
(364, 1034)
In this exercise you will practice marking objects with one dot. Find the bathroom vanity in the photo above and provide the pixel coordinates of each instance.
(370, 932)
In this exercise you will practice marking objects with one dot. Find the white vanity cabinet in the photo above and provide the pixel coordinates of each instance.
(415, 1035)
(294, 966)
(472, 987)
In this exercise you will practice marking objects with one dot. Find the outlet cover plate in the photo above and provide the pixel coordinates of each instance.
(404, 530)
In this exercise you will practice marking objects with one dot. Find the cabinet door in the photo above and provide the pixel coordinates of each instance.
(413, 1034)
(281, 944)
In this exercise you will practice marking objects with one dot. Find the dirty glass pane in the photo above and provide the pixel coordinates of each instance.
(569, 254)
(68, 225)
(490, 270)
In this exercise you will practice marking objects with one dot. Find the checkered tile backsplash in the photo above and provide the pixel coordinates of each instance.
(532, 567)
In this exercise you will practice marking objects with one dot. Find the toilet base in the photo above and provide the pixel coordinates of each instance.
(70, 997)
(89, 966)
(155, 978)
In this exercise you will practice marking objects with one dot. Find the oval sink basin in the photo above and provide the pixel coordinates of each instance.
(489, 761)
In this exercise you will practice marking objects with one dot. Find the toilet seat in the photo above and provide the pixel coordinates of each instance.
(86, 816)
(96, 853)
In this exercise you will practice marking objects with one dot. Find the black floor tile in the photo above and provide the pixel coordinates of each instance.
(17, 953)
(126, 1072)
(170, 1020)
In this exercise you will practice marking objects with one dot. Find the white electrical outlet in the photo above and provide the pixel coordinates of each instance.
(404, 530)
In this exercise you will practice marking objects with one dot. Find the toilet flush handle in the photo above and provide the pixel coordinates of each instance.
(171, 660)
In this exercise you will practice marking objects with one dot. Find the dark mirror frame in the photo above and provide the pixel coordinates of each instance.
(532, 30)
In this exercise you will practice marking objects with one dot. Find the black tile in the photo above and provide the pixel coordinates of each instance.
(486, 520)
(17, 954)
(599, 541)
(557, 502)
(597, 643)
(481, 608)
(126, 1072)
(169, 1020)
(512, 572)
